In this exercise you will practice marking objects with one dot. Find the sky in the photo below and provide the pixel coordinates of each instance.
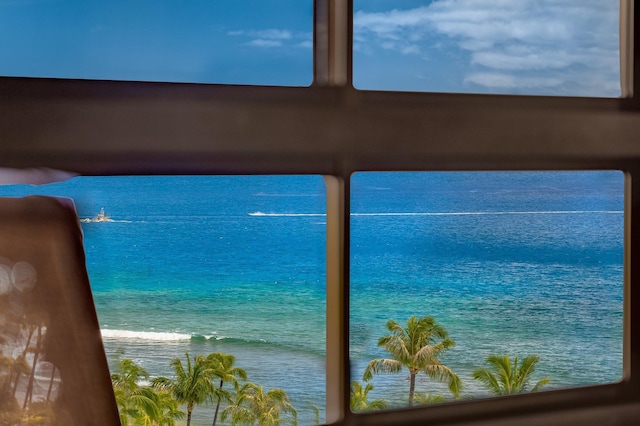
(538, 47)
(557, 47)
(266, 42)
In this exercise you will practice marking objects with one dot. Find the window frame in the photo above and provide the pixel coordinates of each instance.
(330, 128)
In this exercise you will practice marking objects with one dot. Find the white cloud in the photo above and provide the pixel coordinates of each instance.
(508, 81)
(537, 43)
(520, 57)
(272, 34)
(307, 44)
(265, 43)
(272, 38)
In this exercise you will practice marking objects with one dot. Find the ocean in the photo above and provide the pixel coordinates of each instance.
(508, 262)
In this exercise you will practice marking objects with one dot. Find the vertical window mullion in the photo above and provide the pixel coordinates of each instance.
(626, 48)
(332, 43)
(337, 299)
(627, 267)
(633, 17)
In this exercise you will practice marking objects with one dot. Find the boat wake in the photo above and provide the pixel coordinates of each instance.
(287, 214)
(482, 213)
(489, 213)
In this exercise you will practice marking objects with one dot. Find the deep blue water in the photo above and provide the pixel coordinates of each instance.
(508, 262)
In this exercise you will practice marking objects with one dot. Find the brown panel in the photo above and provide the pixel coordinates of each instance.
(48, 320)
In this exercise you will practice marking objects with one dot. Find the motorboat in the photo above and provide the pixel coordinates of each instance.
(100, 217)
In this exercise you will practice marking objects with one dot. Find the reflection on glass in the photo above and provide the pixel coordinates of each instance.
(28, 383)
(489, 283)
(548, 47)
(220, 279)
(51, 356)
(266, 42)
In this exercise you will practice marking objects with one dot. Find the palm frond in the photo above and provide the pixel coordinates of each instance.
(398, 347)
(381, 366)
(541, 383)
(427, 398)
(487, 378)
(501, 365)
(394, 327)
(444, 374)
(527, 368)
(505, 377)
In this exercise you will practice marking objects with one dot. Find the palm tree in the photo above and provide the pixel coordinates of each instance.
(157, 408)
(192, 385)
(141, 404)
(416, 348)
(131, 402)
(359, 398)
(21, 366)
(505, 378)
(29, 393)
(222, 364)
(168, 409)
(254, 406)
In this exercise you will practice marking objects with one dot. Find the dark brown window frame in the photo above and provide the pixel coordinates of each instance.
(134, 128)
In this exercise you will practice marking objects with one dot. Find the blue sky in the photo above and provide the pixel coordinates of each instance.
(559, 47)
(214, 41)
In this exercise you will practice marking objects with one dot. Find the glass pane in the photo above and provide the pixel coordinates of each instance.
(509, 264)
(543, 47)
(209, 264)
(267, 42)
(51, 355)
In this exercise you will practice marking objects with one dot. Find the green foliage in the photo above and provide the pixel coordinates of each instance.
(201, 379)
(223, 369)
(193, 384)
(316, 414)
(255, 407)
(503, 377)
(427, 398)
(415, 347)
(141, 405)
(359, 398)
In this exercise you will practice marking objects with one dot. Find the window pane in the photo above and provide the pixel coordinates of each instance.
(51, 355)
(267, 42)
(542, 47)
(508, 263)
(231, 264)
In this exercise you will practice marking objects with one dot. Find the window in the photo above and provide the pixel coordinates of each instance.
(207, 264)
(116, 128)
(202, 42)
(562, 48)
(523, 264)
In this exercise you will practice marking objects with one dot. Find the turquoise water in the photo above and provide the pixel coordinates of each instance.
(508, 262)
(515, 263)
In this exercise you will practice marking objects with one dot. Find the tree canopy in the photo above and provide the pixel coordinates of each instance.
(504, 377)
(417, 348)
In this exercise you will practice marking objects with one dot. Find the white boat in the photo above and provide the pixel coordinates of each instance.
(100, 217)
